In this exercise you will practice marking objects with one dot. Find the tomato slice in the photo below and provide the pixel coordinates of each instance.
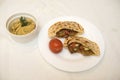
(55, 45)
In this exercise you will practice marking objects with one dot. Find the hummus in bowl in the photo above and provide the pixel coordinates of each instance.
(22, 27)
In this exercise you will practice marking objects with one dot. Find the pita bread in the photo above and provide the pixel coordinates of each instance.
(84, 42)
(65, 25)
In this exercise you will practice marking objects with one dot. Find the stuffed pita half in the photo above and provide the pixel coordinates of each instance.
(82, 45)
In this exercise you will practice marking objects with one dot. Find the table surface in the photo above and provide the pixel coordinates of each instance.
(23, 61)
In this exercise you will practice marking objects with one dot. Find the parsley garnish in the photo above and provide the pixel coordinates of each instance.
(23, 21)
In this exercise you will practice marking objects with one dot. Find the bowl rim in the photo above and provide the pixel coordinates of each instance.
(20, 14)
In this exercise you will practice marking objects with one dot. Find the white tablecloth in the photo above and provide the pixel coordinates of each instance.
(23, 61)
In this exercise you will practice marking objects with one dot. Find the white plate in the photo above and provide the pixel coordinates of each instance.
(64, 60)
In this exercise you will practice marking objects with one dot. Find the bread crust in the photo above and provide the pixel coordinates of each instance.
(65, 25)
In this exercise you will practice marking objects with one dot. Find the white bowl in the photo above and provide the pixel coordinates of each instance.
(26, 37)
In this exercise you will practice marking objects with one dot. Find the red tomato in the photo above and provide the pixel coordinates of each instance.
(55, 45)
